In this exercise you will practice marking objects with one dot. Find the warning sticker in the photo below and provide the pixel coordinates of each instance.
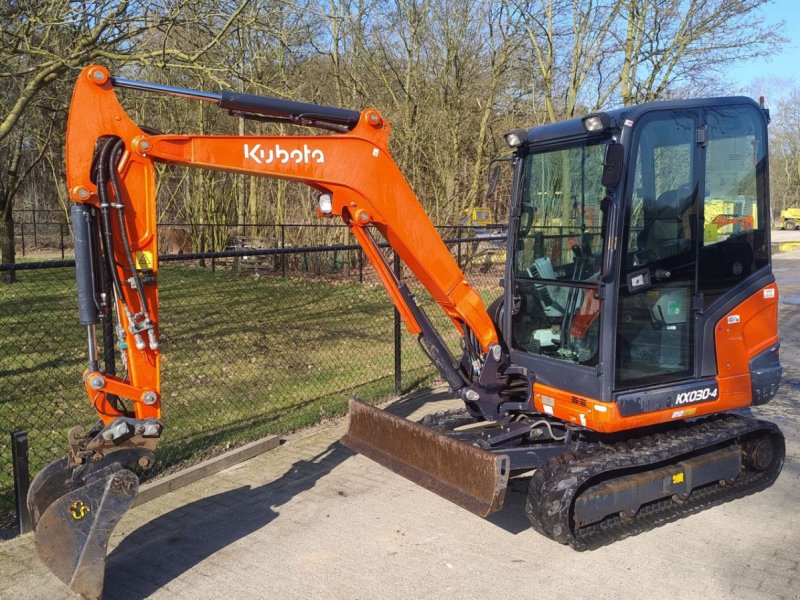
(686, 412)
(144, 260)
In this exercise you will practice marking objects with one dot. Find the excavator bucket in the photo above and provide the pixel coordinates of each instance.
(73, 518)
(469, 476)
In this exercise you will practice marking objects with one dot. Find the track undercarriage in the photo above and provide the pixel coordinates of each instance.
(605, 493)
(587, 490)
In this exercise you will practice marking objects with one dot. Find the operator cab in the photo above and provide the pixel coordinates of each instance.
(616, 283)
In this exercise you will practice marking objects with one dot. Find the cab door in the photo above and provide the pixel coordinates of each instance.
(657, 285)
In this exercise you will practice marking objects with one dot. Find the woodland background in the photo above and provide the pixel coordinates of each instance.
(450, 75)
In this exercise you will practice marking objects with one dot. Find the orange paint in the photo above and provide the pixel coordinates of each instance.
(355, 167)
(740, 335)
(94, 113)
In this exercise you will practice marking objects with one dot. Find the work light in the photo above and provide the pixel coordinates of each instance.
(325, 204)
(515, 138)
(596, 122)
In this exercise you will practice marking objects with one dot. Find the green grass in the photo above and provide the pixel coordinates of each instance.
(241, 358)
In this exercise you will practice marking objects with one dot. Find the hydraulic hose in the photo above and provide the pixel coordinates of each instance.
(110, 281)
(113, 159)
(108, 239)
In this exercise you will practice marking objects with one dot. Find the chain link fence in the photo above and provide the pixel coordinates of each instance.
(254, 342)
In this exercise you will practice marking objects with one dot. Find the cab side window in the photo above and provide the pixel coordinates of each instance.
(734, 217)
(662, 208)
(654, 323)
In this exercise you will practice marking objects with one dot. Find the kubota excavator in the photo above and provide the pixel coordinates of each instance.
(609, 367)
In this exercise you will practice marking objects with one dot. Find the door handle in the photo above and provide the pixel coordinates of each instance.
(662, 274)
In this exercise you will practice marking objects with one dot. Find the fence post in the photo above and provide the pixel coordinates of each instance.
(202, 261)
(360, 265)
(61, 233)
(458, 237)
(283, 245)
(398, 340)
(22, 478)
(22, 234)
(35, 242)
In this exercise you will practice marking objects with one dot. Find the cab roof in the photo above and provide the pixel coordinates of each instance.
(563, 132)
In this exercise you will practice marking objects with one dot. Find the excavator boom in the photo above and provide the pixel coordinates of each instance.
(111, 179)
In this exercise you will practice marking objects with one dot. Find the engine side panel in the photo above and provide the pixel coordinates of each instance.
(746, 339)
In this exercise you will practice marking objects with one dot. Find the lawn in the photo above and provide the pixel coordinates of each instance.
(242, 357)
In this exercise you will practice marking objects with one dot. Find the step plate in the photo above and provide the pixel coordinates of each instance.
(469, 476)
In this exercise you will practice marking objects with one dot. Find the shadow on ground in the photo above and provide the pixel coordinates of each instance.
(157, 553)
(163, 549)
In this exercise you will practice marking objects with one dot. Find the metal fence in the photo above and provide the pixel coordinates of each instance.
(254, 342)
(46, 234)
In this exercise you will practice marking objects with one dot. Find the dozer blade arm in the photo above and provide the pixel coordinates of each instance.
(469, 476)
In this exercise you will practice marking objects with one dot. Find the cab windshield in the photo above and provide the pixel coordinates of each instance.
(560, 214)
(558, 254)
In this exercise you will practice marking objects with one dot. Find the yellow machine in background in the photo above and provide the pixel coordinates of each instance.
(789, 219)
(480, 216)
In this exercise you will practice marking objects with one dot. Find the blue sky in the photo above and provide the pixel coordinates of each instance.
(784, 65)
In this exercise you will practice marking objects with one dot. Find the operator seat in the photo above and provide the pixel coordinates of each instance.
(669, 231)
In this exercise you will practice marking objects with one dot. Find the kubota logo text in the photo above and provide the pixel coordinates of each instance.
(265, 156)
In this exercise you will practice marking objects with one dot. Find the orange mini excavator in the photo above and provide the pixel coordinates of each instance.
(609, 367)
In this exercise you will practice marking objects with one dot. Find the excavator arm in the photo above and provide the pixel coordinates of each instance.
(353, 171)
(111, 180)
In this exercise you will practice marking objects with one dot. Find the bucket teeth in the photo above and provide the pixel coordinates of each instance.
(469, 476)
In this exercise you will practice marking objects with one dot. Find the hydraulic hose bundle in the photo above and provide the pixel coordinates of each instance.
(96, 268)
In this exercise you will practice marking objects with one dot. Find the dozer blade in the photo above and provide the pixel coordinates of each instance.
(469, 476)
(73, 520)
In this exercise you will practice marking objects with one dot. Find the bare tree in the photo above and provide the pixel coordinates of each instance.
(571, 40)
(26, 150)
(591, 53)
(43, 40)
(450, 75)
(673, 45)
(785, 152)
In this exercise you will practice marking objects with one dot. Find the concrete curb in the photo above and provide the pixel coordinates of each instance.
(170, 483)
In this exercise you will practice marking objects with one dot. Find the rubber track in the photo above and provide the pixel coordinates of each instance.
(554, 487)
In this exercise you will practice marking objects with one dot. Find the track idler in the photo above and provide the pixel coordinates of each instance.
(75, 506)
